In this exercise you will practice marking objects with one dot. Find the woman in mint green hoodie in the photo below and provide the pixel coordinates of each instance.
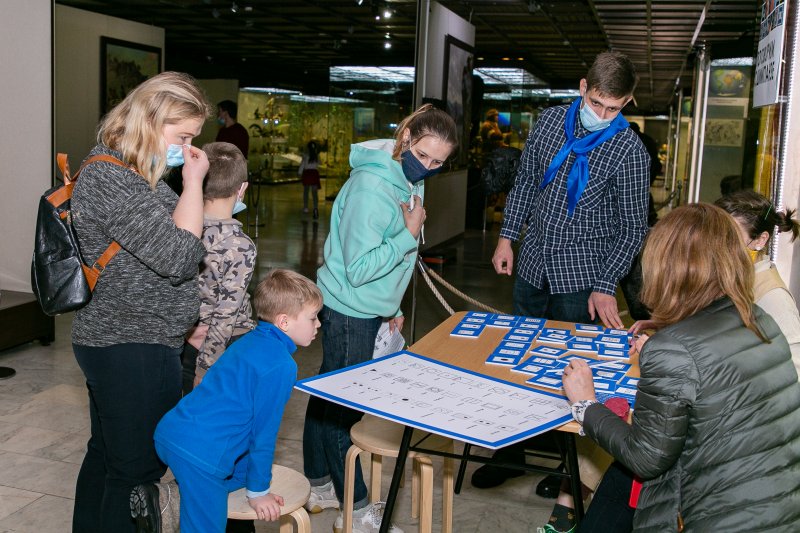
(370, 255)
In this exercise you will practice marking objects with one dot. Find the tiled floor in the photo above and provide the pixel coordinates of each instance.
(44, 421)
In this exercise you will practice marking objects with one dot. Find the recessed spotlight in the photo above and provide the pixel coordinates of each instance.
(480, 59)
(234, 7)
(377, 17)
(505, 58)
(359, 2)
(387, 14)
(520, 59)
(387, 45)
(388, 36)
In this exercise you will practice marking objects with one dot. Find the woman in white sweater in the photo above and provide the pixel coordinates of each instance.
(757, 220)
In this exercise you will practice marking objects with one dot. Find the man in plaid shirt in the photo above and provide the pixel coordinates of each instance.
(583, 231)
(582, 190)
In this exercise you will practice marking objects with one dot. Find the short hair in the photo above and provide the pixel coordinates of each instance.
(230, 107)
(756, 214)
(693, 256)
(425, 121)
(283, 291)
(492, 113)
(134, 126)
(612, 74)
(227, 170)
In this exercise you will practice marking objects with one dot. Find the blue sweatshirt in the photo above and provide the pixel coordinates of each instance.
(369, 253)
(237, 408)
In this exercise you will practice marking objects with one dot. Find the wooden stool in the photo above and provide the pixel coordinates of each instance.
(294, 488)
(381, 438)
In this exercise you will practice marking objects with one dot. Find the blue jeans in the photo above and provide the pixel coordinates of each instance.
(346, 341)
(567, 307)
(131, 386)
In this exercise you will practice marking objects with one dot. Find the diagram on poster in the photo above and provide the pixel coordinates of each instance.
(426, 394)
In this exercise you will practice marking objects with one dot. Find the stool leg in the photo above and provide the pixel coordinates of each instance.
(301, 520)
(415, 473)
(349, 482)
(426, 495)
(286, 525)
(375, 473)
(447, 495)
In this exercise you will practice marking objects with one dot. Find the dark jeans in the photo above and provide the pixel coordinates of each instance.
(609, 511)
(131, 386)
(346, 341)
(567, 307)
(189, 363)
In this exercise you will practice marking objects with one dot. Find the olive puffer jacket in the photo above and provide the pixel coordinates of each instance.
(716, 429)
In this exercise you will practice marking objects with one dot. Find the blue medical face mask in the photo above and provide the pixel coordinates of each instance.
(221, 121)
(239, 206)
(174, 155)
(414, 170)
(591, 121)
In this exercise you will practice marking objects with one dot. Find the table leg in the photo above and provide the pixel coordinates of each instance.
(574, 476)
(399, 468)
(462, 468)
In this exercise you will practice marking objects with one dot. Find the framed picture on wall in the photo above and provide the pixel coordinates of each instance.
(459, 59)
(123, 66)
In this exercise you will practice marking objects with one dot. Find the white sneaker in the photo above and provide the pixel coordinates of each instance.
(366, 520)
(321, 498)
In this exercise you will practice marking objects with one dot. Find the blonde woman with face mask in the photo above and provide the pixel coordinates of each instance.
(757, 219)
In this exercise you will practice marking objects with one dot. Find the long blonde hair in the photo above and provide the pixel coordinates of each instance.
(134, 126)
(425, 121)
(692, 257)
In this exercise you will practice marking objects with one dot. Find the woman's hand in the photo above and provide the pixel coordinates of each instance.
(638, 344)
(267, 507)
(396, 323)
(578, 382)
(641, 325)
(195, 166)
(415, 218)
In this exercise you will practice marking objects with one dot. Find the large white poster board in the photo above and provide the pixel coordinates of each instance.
(770, 53)
(423, 393)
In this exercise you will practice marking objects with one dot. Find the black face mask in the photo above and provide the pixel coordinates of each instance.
(414, 170)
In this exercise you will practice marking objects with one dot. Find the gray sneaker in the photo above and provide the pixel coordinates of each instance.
(321, 498)
(169, 501)
(366, 520)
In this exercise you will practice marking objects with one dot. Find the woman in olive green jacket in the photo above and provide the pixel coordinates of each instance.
(716, 430)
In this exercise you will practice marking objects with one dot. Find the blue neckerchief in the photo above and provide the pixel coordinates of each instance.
(579, 173)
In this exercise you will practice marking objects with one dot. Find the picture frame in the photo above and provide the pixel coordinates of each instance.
(123, 66)
(459, 61)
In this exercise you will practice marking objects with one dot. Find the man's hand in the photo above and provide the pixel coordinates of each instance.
(396, 323)
(267, 507)
(604, 306)
(503, 258)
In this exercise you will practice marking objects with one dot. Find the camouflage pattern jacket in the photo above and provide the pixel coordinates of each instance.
(224, 276)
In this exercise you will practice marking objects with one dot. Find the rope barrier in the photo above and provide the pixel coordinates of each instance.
(426, 270)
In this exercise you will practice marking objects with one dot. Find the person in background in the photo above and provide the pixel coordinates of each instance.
(309, 176)
(231, 131)
(222, 436)
(129, 338)
(370, 254)
(715, 435)
(757, 220)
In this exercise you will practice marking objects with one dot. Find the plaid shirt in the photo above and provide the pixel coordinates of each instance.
(593, 248)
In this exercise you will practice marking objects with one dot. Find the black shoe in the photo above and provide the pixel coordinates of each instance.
(549, 487)
(144, 508)
(489, 476)
(316, 214)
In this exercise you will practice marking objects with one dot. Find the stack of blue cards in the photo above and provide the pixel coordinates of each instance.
(471, 325)
(556, 336)
(589, 329)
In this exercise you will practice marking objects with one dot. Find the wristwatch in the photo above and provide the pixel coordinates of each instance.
(579, 409)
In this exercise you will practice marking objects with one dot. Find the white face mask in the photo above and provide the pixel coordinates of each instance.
(239, 206)
(591, 121)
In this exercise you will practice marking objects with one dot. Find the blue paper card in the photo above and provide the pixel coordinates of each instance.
(547, 351)
(518, 338)
(500, 323)
(629, 382)
(530, 322)
(616, 366)
(546, 381)
(572, 357)
(616, 353)
(513, 352)
(504, 360)
(556, 331)
(554, 338)
(467, 333)
(514, 345)
(612, 339)
(589, 329)
(473, 320)
(616, 332)
(530, 368)
(626, 392)
(582, 346)
(478, 314)
(604, 385)
(531, 332)
(609, 375)
(544, 361)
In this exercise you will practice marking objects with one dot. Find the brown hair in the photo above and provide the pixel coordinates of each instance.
(227, 170)
(757, 214)
(425, 121)
(692, 257)
(134, 126)
(283, 291)
(612, 74)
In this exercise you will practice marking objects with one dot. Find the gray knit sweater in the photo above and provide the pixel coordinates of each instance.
(148, 292)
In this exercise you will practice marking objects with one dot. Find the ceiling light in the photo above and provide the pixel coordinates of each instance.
(387, 14)
(520, 59)
(234, 7)
(387, 45)
(359, 2)
(505, 58)
(388, 36)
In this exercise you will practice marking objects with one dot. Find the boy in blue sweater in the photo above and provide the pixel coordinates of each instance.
(221, 437)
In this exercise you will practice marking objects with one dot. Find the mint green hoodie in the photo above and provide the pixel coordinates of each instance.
(369, 253)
